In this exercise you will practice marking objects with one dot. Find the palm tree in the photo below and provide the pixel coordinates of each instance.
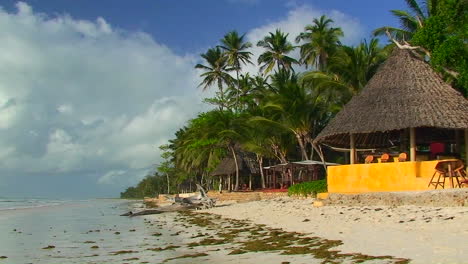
(320, 42)
(410, 21)
(235, 49)
(293, 108)
(349, 71)
(216, 71)
(277, 47)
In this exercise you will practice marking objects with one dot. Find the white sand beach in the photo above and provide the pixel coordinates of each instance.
(422, 234)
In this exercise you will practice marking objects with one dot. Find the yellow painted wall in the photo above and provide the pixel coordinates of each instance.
(378, 177)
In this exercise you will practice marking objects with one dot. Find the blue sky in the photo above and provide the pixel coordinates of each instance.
(189, 26)
(89, 89)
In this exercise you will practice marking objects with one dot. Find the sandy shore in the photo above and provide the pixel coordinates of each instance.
(422, 234)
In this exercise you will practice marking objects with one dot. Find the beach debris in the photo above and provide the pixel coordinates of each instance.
(200, 201)
(95, 247)
(117, 233)
(306, 220)
(49, 247)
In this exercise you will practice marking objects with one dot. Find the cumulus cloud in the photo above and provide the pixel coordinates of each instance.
(81, 97)
(295, 21)
(84, 106)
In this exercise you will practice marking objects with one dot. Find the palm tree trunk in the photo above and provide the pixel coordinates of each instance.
(221, 93)
(262, 175)
(168, 186)
(236, 187)
(301, 145)
(279, 155)
(238, 90)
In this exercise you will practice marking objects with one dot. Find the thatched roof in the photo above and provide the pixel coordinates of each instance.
(227, 166)
(405, 92)
(246, 161)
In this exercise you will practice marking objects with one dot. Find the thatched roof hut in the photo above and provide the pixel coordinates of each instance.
(227, 166)
(404, 93)
(246, 162)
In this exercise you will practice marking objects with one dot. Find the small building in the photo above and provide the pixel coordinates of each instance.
(405, 107)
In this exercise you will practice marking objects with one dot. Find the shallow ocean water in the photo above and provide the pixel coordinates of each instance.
(73, 228)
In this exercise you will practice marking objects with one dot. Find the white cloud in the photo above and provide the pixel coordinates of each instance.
(84, 100)
(294, 23)
(79, 96)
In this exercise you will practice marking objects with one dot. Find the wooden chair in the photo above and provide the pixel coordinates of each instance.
(402, 157)
(441, 170)
(384, 158)
(369, 159)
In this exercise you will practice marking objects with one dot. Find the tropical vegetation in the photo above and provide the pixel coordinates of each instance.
(274, 116)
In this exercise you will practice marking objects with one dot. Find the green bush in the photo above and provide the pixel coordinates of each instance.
(308, 188)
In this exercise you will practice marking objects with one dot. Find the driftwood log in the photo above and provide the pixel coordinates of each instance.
(200, 201)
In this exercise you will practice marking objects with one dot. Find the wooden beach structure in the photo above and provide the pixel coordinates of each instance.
(226, 171)
(407, 108)
(281, 176)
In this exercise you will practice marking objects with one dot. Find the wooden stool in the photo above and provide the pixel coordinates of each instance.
(459, 172)
(439, 169)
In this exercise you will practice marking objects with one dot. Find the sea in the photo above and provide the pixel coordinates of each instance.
(77, 231)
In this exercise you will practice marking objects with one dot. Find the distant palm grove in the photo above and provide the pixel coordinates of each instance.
(273, 116)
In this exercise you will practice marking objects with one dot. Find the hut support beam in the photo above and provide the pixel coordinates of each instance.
(466, 148)
(412, 144)
(352, 151)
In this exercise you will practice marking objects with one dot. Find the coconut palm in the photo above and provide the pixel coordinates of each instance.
(277, 47)
(349, 71)
(216, 72)
(320, 41)
(235, 49)
(411, 20)
(293, 108)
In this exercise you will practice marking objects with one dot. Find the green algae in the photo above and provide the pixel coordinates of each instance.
(120, 252)
(171, 247)
(245, 237)
(195, 255)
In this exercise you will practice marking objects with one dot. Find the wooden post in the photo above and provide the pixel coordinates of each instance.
(412, 144)
(352, 147)
(458, 148)
(466, 149)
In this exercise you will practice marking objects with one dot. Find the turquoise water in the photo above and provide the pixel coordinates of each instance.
(73, 227)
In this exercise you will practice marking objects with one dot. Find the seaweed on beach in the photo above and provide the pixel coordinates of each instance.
(195, 255)
(171, 247)
(245, 237)
(120, 252)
